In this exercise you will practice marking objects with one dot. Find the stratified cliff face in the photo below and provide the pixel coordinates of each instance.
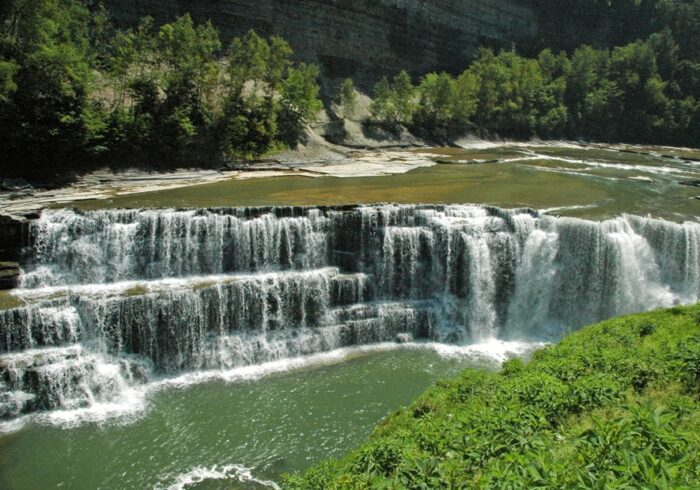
(362, 39)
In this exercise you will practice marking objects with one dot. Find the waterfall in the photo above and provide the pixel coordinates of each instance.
(117, 298)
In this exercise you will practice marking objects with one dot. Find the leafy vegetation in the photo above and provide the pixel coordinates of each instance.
(615, 405)
(640, 92)
(75, 91)
(347, 98)
(617, 70)
(568, 24)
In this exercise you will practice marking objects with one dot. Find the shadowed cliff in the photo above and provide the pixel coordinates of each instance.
(359, 39)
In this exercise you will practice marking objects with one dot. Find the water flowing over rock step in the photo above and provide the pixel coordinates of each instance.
(81, 375)
(65, 377)
(343, 286)
(116, 298)
(74, 247)
(214, 304)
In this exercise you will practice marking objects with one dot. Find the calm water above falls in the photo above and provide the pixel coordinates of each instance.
(142, 328)
(587, 181)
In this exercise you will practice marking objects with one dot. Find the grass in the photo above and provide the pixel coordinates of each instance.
(615, 405)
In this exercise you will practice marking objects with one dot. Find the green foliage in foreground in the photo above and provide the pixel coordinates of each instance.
(615, 405)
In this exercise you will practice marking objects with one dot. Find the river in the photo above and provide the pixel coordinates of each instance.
(219, 347)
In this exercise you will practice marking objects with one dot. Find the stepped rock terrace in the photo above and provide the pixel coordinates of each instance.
(116, 298)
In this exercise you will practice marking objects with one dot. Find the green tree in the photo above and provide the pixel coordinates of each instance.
(381, 104)
(188, 55)
(665, 52)
(268, 101)
(592, 101)
(465, 99)
(8, 85)
(300, 102)
(508, 88)
(46, 77)
(394, 102)
(435, 114)
(347, 97)
(553, 114)
(247, 63)
(643, 101)
(403, 98)
(276, 66)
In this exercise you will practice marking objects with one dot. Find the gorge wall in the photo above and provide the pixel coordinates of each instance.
(361, 39)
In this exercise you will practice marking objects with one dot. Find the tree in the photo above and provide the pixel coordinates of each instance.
(247, 63)
(276, 66)
(402, 97)
(633, 70)
(464, 99)
(508, 88)
(347, 97)
(394, 102)
(45, 78)
(587, 72)
(300, 102)
(381, 104)
(188, 55)
(435, 114)
(8, 84)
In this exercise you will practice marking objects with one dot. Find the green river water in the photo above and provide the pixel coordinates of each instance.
(226, 428)
(586, 182)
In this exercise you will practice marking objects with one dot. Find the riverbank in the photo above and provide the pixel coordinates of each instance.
(105, 184)
(612, 405)
(580, 175)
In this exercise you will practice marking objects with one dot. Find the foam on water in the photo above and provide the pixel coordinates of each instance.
(201, 474)
(684, 170)
(556, 209)
(131, 401)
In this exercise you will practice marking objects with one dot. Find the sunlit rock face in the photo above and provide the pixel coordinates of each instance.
(115, 298)
(360, 39)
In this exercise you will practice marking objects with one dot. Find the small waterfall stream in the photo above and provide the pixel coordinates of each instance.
(116, 298)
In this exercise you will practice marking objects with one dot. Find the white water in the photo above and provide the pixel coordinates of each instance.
(223, 472)
(130, 400)
(121, 302)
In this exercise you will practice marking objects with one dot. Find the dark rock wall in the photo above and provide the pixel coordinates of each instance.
(362, 39)
(13, 237)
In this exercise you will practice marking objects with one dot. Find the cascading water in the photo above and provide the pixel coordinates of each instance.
(115, 298)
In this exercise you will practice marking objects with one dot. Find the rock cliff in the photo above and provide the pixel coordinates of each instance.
(362, 39)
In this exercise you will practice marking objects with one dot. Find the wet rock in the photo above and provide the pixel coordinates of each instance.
(9, 275)
(12, 237)
(15, 185)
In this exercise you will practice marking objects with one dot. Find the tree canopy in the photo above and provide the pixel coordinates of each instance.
(77, 92)
(640, 92)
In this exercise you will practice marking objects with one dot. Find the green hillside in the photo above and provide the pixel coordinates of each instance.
(614, 405)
